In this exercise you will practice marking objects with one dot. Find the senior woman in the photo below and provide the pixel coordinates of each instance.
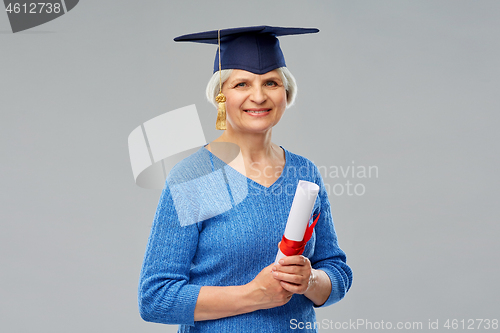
(209, 263)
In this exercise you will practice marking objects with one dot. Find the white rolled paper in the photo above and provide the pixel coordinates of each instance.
(300, 213)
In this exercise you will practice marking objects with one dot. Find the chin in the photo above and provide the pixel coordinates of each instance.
(258, 129)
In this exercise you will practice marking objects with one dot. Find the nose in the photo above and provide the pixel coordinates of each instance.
(258, 95)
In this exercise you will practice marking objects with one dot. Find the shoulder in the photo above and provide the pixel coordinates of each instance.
(299, 161)
(296, 158)
(194, 166)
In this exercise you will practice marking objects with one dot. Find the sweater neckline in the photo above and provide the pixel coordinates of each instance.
(276, 182)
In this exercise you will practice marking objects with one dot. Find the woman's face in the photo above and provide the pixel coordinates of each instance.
(254, 103)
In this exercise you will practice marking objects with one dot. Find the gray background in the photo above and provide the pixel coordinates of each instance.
(408, 86)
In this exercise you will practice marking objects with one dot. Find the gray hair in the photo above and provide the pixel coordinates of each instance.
(288, 82)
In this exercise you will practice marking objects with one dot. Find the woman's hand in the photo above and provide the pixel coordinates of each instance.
(266, 291)
(274, 286)
(295, 274)
(263, 292)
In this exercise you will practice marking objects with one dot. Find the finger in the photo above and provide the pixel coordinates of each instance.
(291, 278)
(292, 269)
(299, 260)
(294, 288)
(270, 268)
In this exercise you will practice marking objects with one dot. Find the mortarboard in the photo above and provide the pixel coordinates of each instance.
(254, 49)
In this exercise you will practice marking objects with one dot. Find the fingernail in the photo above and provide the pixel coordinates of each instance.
(282, 262)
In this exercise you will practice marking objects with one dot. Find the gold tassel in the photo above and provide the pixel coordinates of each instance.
(220, 124)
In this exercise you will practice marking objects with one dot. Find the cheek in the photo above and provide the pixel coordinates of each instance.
(281, 99)
(231, 105)
(234, 100)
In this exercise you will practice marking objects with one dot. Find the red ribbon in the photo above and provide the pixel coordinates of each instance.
(290, 247)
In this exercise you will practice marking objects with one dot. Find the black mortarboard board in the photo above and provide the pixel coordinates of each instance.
(254, 49)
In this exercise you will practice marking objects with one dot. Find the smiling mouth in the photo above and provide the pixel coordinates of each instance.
(257, 111)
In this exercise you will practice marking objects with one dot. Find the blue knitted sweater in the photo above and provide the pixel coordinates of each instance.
(229, 243)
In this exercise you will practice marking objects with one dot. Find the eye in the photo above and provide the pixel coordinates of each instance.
(241, 84)
(271, 84)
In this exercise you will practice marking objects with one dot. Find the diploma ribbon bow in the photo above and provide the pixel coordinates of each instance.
(290, 247)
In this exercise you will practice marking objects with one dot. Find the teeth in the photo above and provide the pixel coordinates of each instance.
(256, 111)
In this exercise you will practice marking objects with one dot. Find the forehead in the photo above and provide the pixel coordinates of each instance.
(242, 74)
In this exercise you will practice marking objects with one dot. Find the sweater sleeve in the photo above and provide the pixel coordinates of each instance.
(327, 254)
(165, 295)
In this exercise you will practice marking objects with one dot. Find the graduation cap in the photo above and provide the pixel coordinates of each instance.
(253, 49)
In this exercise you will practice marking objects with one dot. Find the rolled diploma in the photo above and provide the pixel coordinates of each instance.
(300, 213)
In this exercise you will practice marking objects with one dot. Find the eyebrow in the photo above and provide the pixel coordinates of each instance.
(244, 79)
(274, 77)
(237, 79)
